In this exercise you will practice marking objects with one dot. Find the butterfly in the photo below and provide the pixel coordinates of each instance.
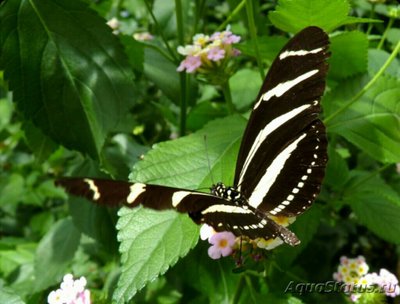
(281, 161)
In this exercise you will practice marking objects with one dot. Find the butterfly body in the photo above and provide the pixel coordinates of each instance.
(281, 160)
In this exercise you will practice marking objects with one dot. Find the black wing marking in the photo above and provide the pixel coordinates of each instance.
(284, 134)
(219, 213)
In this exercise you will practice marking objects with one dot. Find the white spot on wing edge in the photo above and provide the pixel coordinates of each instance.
(272, 172)
(283, 87)
(93, 187)
(134, 191)
(178, 196)
(299, 53)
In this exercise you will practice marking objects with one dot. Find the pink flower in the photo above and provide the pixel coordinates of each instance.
(190, 64)
(216, 54)
(223, 243)
(230, 39)
(389, 283)
(70, 292)
(355, 297)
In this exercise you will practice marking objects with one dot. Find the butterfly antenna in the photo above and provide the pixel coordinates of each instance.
(208, 160)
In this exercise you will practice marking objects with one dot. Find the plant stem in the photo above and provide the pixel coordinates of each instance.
(199, 11)
(239, 289)
(389, 26)
(160, 32)
(253, 35)
(226, 91)
(237, 9)
(183, 78)
(251, 289)
(371, 16)
(367, 86)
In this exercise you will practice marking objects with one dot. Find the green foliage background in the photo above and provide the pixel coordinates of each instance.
(76, 99)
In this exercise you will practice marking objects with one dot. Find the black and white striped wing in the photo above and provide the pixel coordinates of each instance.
(217, 212)
(282, 157)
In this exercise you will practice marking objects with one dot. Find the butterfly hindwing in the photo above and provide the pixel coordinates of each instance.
(284, 134)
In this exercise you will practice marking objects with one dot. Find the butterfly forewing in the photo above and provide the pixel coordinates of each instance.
(222, 214)
(284, 139)
(281, 160)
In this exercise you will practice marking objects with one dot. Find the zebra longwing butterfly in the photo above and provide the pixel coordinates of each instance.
(281, 160)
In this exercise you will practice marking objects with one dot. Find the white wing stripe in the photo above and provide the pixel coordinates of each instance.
(178, 196)
(135, 190)
(93, 188)
(269, 128)
(298, 53)
(282, 88)
(226, 209)
(272, 173)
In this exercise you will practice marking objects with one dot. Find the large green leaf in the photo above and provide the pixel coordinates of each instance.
(67, 71)
(349, 54)
(376, 205)
(54, 252)
(152, 241)
(373, 122)
(162, 72)
(377, 58)
(292, 16)
(269, 47)
(245, 85)
(9, 296)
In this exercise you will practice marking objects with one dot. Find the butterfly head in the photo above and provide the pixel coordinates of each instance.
(228, 193)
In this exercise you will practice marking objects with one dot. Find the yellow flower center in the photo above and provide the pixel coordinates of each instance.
(223, 243)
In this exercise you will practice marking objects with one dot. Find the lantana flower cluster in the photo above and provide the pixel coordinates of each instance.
(225, 243)
(70, 292)
(359, 282)
(209, 55)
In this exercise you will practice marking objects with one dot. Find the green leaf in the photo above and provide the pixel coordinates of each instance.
(54, 252)
(376, 205)
(73, 73)
(305, 228)
(164, 237)
(245, 85)
(148, 249)
(292, 16)
(393, 35)
(269, 47)
(203, 113)
(337, 171)
(12, 189)
(218, 282)
(349, 54)
(9, 296)
(12, 259)
(183, 162)
(353, 20)
(372, 123)
(87, 217)
(41, 145)
(162, 72)
(6, 110)
(135, 51)
(377, 58)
